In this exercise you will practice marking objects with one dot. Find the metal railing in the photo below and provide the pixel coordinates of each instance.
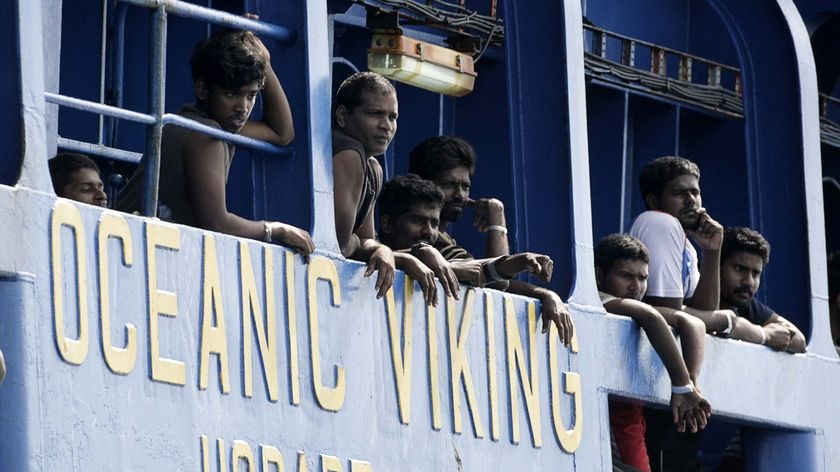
(156, 118)
(664, 71)
(830, 120)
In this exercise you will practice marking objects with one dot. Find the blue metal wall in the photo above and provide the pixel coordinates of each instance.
(535, 153)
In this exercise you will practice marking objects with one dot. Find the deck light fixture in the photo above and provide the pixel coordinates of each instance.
(428, 66)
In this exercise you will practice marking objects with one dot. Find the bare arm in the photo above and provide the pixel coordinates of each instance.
(379, 257)
(420, 273)
(673, 303)
(276, 125)
(348, 177)
(709, 236)
(444, 271)
(489, 217)
(552, 308)
(797, 339)
(692, 332)
(539, 265)
(689, 410)
(468, 271)
(204, 171)
(658, 333)
(716, 321)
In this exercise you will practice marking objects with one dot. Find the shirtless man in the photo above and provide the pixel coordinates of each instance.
(364, 123)
(230, 68)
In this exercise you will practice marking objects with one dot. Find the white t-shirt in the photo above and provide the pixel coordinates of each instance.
(673, 260)
(606, 297)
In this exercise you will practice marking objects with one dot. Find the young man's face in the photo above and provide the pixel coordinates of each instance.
(627, 278)
(229, 107)
(455, 184)
(373, 123)
(419, 224)
(85, 186)
(740, 277)
(680, 198)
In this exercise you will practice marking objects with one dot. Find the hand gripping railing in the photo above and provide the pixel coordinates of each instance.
(156, 119)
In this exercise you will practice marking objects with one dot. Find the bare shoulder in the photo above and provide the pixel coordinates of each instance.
(348, 174)
(348, 161)
(197, 145)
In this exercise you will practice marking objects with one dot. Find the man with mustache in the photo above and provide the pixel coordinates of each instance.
(409, 216)
(744, 255)
(365, 114)
(449, 162)
(670, 188)
(229, 68)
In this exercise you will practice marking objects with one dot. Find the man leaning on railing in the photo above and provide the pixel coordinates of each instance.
(229, 69)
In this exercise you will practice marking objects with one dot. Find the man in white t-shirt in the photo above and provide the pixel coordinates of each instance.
(670, 188)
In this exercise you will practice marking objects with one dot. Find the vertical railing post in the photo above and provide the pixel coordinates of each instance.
(658, 62)
(157, 84)
(628, 52)
(685, 69)
(823, 105)
(714, 75)
(599, 43)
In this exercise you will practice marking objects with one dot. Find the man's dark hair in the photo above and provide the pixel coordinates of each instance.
(833, 276)
(660, 171)
(440, 154)
(736, 239)
(64, 165)
(351, 91)
(403, 192)
(228, 58)
(615, 247)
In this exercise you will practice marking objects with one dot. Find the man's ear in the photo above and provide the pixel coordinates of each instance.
(837, 302)
(385, 224)
(202, 91)
(599, 276)
(651, 201)
(341, 113)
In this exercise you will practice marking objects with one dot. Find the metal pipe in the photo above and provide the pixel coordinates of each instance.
(168, 118)
(102, 52)
(99, 150)
(100, 108)
(118, 76)
(188, 10)
(180, 121)
(157, 84)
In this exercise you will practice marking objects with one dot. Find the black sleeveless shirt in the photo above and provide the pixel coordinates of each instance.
(372, 183)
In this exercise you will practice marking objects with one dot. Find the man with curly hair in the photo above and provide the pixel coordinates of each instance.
(409, 217)
(229, 68)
